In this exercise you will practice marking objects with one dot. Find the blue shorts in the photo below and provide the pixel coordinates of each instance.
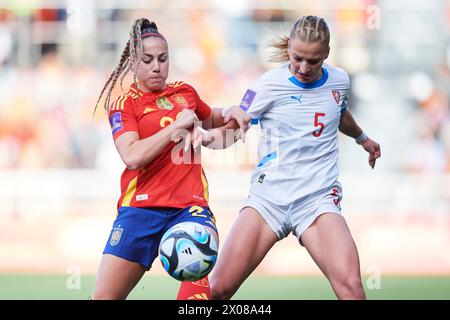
(137, 232)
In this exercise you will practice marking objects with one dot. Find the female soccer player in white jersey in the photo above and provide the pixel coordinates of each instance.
(301, 106)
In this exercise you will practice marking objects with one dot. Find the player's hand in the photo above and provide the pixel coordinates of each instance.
(200, 136)
(373, 149)
(178, 135)
(242, 119)
(185, 120)
(185, 135)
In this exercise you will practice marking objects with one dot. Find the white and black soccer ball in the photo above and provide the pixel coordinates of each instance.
(188, 251)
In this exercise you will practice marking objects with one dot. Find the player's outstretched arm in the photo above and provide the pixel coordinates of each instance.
(226, 126)
(349, 127)
(217, 138)
(221, 118)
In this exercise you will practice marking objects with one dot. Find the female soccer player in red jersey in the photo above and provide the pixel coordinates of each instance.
(163, 184)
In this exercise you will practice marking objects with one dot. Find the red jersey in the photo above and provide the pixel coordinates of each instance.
(162, 182)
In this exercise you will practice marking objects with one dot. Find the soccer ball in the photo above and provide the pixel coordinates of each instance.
(188, 251)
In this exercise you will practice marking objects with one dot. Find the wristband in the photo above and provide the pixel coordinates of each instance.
(362, 137)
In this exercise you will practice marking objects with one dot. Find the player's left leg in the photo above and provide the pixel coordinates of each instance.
(248, 242)
(330, 244)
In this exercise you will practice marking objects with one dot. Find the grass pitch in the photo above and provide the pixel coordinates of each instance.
(21, 286)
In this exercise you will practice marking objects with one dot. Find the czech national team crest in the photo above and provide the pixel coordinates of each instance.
(180, 100)
(115, 236)
(336, 95)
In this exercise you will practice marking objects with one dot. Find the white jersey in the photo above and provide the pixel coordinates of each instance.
(298, 149)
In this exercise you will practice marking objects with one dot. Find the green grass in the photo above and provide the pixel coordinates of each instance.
(20, 286)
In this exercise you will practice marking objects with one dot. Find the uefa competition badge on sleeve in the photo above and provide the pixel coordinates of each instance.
(247, 100)
(116, 122)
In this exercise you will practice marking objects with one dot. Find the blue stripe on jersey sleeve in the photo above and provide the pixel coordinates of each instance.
(267, 158)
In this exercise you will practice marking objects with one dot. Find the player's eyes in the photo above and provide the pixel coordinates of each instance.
(313, 61)
(147, 61)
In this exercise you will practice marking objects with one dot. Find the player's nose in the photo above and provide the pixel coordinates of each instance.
(303, 67)
(156, 66)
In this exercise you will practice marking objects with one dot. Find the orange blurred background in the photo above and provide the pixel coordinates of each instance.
(59, 170)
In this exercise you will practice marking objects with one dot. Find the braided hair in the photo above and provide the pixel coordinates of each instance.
(130, 58)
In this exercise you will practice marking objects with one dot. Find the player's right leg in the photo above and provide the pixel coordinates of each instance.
(130, 250)
(330, 244)
(116, 278)
(246, 245)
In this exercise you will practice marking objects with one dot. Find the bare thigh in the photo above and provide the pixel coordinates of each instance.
(330, 244)
(246, 245)
(116, 278)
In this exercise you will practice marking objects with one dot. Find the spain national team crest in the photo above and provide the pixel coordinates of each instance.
(178, 98)
(336, 95)
(115, 236)
(164, 103)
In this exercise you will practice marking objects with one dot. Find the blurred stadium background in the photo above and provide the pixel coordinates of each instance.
(59, 171)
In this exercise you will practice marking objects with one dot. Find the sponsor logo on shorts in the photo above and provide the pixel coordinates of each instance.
(115, 236)
(247, 100)
(116, 122)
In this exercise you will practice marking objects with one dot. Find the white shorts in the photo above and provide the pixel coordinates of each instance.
(299, 215)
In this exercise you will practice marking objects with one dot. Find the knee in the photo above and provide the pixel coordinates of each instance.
(349, 287)
(220, 290)
(105, 295)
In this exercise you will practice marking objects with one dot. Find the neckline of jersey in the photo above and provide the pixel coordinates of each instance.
(146, 94)
(311, 85)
